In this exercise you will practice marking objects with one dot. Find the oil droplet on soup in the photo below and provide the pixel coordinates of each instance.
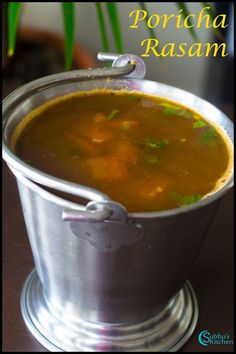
(144, 152)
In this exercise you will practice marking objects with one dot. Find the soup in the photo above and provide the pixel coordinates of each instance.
(145, 152)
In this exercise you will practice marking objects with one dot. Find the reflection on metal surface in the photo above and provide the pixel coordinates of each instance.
(58, 331)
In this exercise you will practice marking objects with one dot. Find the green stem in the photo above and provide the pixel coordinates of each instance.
(218, 34)
(183, 6)
(101, 21)
(115, 25)
(69, 27)
(144, 8)
(13, 20)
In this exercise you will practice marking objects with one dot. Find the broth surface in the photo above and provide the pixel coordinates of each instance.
(144, 152)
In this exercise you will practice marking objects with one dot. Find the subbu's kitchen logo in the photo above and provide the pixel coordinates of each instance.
(206, 338)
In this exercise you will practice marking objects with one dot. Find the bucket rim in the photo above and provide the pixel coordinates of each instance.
(83, 191)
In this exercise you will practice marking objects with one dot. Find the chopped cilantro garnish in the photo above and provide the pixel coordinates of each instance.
(126, 125)
(169, 105)
(171, 109)
(113, 114)
(196, 116)
(154, 143)
(199, 124)
(209, 137)
(134, 98)
(186, 199)
(151, 159)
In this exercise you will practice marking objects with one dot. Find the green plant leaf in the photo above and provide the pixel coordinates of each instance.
(68, 11)
(218, 34)
(13, 20)
(171, 109)
(185, 199)
(199, 124)
(115, 25)
(150, 30)
(154, 143)
(113, 114)
(183, 6)
(101, 21)
(134, 98)
(209, 137)
(151, 159)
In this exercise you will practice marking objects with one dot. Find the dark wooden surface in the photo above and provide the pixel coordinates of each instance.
(212, 276)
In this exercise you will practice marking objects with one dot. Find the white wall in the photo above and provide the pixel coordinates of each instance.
(187, 73)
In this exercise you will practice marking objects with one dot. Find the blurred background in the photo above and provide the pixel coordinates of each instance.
(39, 48)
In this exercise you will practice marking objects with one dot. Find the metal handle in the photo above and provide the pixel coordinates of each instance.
(105, 225)
(86, 216)
(97, 212)
(107, 56)
(125, 61)
(126, 65)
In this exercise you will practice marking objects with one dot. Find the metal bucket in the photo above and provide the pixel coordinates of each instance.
(106, 280)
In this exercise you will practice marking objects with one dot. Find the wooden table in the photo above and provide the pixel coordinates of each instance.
(212, 276)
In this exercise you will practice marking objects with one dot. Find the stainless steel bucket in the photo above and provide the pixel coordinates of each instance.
(106, 280)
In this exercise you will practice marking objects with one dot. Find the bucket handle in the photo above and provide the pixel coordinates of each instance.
(86, 215)
(106, 210)
(93, 212)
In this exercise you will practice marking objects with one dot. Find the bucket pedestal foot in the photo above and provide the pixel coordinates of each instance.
(169, 330)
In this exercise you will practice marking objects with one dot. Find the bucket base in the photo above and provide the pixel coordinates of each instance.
(169, 330)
